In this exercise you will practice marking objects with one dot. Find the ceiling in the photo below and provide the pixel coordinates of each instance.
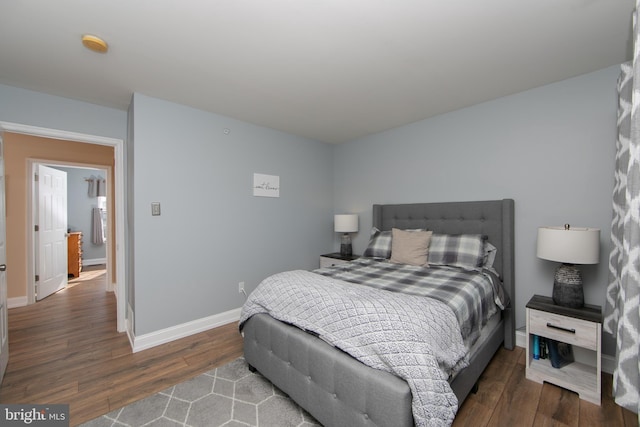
(329, 70)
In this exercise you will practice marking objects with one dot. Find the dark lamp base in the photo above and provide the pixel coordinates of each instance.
(345, 245)
(567, 287)
(346, 250)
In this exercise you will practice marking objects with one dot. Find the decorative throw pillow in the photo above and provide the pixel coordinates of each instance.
(463, 250)
(379, 244)
(410, 247)
(490, 252)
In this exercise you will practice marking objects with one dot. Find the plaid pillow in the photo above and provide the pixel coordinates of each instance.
(379, 244)
(464, 250)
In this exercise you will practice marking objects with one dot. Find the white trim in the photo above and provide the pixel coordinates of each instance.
(94, 261)
(119, 174)
(16, 302)
(32, 260)
(130, 320)
(172, 333)
(58, 134)
(608, 362)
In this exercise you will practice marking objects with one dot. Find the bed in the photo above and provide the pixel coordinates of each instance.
(339, 390)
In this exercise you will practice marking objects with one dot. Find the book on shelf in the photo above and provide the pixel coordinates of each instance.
(543, 348)
(560, 353)
(539, 347)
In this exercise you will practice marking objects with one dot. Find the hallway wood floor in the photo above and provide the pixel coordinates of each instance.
(65, 349)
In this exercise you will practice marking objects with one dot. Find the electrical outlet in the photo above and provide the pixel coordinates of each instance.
(241, 288)
(155, 208)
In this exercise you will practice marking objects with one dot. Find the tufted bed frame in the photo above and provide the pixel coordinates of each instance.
(337, 389)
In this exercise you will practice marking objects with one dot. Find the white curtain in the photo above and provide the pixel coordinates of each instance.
(622, 307)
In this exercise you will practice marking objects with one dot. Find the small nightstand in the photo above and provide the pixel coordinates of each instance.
(329, 260)
(580, 327)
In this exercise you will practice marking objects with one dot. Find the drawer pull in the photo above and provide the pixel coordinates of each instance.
(571, 331)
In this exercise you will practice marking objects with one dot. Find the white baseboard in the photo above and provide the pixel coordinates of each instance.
(16, 302)
(153, 339)
(129, 325)
(608, 362)
(94, 261)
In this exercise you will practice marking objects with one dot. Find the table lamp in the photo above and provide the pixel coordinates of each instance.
(345, 223)
(569, 246)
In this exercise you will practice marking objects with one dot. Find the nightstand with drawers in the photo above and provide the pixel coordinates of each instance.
(580, 327)
(329, 260)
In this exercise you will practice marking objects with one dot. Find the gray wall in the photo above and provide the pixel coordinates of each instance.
(53, 112)
(551, 149)
(79, 206)
(213, 233)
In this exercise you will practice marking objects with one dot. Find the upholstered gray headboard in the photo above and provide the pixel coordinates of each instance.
(494, 218)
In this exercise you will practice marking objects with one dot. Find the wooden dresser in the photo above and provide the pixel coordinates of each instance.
(74, 253)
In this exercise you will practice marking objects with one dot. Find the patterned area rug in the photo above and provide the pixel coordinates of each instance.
(230, 395)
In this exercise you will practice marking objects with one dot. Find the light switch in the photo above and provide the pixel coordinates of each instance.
(155, 208)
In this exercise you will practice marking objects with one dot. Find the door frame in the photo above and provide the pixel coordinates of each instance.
(119, 201)
(4, 308)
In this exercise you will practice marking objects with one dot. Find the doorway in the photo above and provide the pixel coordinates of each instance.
(84, 219)
(118, 249)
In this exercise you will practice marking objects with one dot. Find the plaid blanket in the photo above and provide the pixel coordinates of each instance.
(414, 338)
(471, 295)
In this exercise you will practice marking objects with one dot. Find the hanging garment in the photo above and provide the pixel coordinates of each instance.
(92, 187)
(97, 225)
(101, 187)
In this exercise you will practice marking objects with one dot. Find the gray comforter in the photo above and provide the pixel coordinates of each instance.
(415, 338)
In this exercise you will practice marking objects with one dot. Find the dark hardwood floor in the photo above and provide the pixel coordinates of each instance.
(506, 398)
(65, 349)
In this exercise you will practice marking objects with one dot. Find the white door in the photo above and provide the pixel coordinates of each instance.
(52, 231)
(4, 330)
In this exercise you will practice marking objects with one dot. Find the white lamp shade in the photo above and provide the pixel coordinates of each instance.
(569, 246)
(347, 223)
